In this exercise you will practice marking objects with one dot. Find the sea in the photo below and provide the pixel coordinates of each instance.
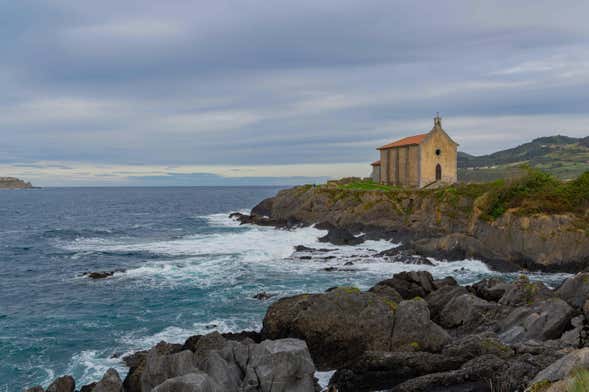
(184, 268)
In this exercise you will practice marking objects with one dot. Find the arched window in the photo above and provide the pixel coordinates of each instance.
(438, 172)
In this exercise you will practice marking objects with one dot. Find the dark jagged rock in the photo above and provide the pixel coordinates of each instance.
(447, 281)
(341, 237)
(403, 255)
(490, 289)
(262, 296)
(88, 387)
(411, 284)
(62, 384)
(36, 388)
(379, 370)
(471, 377)
(302, 248)
(101, 274)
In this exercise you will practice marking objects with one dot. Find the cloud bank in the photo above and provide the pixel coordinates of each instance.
(306, 85)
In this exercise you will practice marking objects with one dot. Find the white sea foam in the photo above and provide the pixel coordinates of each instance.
(324, 377)
(91, 365)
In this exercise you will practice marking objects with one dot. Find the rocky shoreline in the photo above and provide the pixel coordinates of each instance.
(407, 333)
(448, 223)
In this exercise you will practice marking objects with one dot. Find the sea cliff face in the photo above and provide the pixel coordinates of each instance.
(14, 183)
(449, 223)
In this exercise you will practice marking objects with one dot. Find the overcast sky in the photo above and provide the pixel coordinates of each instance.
(125, 92)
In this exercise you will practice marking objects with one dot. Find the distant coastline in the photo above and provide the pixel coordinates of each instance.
(14, 183)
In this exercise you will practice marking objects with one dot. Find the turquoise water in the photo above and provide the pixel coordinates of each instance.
(188, 269)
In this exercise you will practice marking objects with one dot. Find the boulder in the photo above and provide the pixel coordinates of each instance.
(414, 331)
(338, 326)
(386, 292)
(36, 388)
(110, 382)
(441, 297)
(447, 281)
(473, 376)
(160, 367)
(283, 365)
(379, 370)
(524, 292)
(62, 384)
(465, 310)
(411, 284)
(338, 236)
(491, 289)
(136, 364)
(472, 346)
(542, 321)
(192, 382)
(564, 366)
(575, 290)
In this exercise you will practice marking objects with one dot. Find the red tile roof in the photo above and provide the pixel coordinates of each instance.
(376, 163)
(417, 139)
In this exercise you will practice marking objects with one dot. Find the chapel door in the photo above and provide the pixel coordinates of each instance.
(438, 172)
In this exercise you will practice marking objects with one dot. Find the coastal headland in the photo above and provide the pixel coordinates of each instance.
(536, 222)
(14, 183)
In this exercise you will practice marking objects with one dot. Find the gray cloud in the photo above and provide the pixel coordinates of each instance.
(255, 83)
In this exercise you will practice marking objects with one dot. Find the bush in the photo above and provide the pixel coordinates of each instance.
(538, 192)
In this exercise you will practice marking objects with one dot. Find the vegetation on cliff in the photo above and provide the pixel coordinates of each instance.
(537, 192)
(562, 156)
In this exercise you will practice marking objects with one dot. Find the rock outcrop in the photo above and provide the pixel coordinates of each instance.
(14, 183)
(442, 223)
(338, 326)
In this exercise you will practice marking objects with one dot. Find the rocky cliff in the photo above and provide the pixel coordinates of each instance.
(14, 183)
(453, 222)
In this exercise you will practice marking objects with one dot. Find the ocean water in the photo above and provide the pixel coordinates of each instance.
(186, 269)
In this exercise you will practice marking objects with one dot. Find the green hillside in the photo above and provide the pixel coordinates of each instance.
(563, 156)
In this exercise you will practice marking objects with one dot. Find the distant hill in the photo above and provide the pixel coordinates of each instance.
(14, 183)
(563, 156)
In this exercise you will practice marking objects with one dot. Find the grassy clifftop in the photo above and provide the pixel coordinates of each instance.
(536, 192)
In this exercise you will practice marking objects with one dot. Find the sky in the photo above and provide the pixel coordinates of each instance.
(215, 92)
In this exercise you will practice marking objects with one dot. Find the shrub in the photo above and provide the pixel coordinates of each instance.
(538, 192)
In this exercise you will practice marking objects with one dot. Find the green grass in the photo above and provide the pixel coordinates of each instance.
(366, 185)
